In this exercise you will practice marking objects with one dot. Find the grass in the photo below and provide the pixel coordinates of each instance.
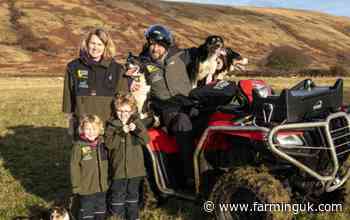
(34, 150)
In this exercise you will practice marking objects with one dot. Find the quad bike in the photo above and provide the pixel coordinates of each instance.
(259, 148)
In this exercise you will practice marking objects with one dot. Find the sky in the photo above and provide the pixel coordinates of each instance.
(335, 7)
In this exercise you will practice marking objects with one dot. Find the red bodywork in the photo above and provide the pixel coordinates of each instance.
(247, 86)
(162, 142)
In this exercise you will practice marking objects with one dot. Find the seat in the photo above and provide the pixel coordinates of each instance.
(232, 109)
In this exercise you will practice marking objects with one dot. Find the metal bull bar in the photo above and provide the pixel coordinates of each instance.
(333, 181)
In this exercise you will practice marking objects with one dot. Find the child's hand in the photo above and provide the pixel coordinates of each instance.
(126, 128)
(132, 127)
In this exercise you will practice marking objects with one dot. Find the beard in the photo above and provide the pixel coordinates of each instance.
(157, 55)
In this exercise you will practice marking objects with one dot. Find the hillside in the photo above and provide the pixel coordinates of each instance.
(40, 37)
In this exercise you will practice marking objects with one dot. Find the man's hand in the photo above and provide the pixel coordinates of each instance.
(208, 79)
(133, 71)
(135, 86)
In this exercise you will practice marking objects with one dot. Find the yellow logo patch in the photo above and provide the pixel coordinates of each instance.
(86, 153)
(82, 74)
(152, 68)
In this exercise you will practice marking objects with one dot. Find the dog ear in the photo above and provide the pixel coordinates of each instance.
(231, 54)
(129, 58)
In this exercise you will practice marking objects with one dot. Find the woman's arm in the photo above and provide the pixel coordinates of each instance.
(75, 168)
(68, 105)
(111, 132)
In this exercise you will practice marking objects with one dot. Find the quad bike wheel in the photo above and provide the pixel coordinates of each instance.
(342, 194)
(248, 185)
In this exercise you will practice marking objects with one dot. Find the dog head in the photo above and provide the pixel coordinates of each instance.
(133, 66)
(230, 60)
(59, 213)
(214, 44)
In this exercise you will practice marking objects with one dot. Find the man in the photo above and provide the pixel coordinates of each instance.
(170, 85)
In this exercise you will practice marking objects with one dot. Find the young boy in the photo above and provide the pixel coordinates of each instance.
(89, 169)
(125, 135)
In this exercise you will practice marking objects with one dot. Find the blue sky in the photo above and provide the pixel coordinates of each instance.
(336, 7)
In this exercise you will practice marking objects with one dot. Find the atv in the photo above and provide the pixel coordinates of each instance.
(258, 148)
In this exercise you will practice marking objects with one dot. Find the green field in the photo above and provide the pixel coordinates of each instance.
(34, 150)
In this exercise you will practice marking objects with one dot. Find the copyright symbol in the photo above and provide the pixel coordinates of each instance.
(209, 206)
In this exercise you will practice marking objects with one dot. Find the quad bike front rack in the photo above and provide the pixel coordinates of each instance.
(336, 138)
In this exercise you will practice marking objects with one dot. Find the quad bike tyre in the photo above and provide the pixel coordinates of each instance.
(248, 185)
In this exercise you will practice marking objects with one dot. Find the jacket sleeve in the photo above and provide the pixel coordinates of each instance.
(188, 55)
(68, 105)
(75, 168)
(108, 136)
(111, 133)
(141, 133)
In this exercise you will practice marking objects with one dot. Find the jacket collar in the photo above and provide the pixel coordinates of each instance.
(92, 144)
(85, 58)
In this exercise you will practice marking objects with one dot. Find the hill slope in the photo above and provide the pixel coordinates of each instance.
(40, 37)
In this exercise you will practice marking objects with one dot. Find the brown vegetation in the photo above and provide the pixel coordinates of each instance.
(287, 58)
(43, 35)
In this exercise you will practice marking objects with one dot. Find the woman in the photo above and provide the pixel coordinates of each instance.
(92, 79)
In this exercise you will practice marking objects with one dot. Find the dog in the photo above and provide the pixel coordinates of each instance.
(136, 71)
(227, 62)
(212, 61)
(204, 59)
(59, 213)
(42, 213)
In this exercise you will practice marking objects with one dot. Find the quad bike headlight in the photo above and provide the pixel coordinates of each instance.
(263, 91)
(290, 140)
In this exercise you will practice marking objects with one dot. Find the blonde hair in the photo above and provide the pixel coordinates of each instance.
(124, 99)
(104, 36)
(94, 120)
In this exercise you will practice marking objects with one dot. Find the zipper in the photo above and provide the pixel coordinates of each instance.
(99, 167)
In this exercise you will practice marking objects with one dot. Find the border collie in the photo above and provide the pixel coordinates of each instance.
(204, 60)
(227, 62)
(136, 71)
(59, 213)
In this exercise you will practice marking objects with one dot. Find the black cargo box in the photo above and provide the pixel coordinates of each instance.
(301, 102)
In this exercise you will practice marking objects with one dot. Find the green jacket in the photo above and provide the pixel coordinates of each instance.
(89, 168)
(126, 149)
(89, 87)
(169, 78)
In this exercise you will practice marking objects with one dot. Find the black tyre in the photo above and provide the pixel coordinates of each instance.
(342, 194)
(248, 185)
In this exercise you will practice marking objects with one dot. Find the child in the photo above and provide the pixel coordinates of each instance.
(89, 169)
(125, 135)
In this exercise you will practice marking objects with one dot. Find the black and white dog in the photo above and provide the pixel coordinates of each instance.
(59, 213)
(136, 71)
(204, 59)
(227, 62)
(212, 60)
